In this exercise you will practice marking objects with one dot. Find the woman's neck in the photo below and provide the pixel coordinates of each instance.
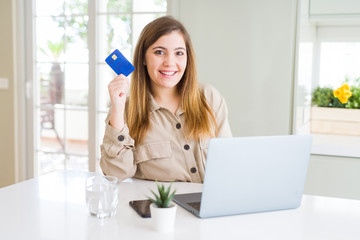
(168, 98)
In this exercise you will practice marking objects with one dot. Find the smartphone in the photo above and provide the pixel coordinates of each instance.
(142, 207)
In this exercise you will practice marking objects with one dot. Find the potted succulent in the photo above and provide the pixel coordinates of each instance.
(163, 211)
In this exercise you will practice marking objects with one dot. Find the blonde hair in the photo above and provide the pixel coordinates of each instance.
(199, 116)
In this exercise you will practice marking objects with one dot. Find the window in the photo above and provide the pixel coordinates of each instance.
(302, 121)
(338, 61)
(329, 55)
(336, 131)
(70, 100)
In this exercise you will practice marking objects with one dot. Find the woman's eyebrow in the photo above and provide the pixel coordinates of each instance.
(164, 48)
(159, 47)
(180, 48)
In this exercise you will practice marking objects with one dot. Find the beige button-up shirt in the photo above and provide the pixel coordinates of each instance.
(165, 153)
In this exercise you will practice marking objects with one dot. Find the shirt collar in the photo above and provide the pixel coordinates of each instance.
(155, 106)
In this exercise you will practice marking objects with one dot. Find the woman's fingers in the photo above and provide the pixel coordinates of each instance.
(118, 87)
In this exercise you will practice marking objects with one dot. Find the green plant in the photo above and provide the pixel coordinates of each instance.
(163, 196)
(337, 104)
(322, 97)
(354, 100)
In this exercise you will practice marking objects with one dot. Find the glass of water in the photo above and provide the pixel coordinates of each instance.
(102, 195)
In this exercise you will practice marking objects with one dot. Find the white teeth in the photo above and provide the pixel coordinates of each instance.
(168, 73)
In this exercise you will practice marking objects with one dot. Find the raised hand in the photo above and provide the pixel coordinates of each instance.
(118, 89)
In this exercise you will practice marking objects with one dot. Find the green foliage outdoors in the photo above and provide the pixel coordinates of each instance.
(163, 196)
(324, 96)
(354, 100)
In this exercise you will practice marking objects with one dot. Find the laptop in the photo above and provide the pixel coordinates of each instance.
(251, 174)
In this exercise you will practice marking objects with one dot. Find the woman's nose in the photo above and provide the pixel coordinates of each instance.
(169, 60)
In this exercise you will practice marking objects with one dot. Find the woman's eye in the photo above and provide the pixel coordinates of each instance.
(159, 52)
(180, 53)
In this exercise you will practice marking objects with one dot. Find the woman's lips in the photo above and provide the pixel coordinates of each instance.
(168, 73)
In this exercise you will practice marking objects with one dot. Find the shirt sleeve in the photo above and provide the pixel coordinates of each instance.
(117, 152)
(222, 118)
(219, 106)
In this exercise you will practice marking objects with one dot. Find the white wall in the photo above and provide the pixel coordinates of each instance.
(333, 177)
(246, 49)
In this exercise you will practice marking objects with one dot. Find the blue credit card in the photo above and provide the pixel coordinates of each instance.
(119, 63)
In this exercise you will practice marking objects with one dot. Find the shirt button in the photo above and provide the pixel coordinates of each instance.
(186, 147)
(193, 170)
(121, 138)
(178, 125)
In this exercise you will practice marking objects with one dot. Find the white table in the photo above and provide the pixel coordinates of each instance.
(53, 207)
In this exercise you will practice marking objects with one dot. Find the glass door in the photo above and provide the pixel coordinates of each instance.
(70, 101)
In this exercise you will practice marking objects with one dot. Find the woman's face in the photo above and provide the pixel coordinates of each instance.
(166, 60)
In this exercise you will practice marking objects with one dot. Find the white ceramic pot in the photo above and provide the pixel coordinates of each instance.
(163, 219)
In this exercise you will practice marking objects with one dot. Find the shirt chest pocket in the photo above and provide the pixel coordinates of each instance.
(152, 151)
(154, 160)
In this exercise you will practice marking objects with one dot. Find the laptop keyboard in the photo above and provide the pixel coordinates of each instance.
(195, 205)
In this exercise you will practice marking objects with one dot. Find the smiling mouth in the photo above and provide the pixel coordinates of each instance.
(167, 73)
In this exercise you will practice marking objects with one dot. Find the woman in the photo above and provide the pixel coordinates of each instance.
(161, 131)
